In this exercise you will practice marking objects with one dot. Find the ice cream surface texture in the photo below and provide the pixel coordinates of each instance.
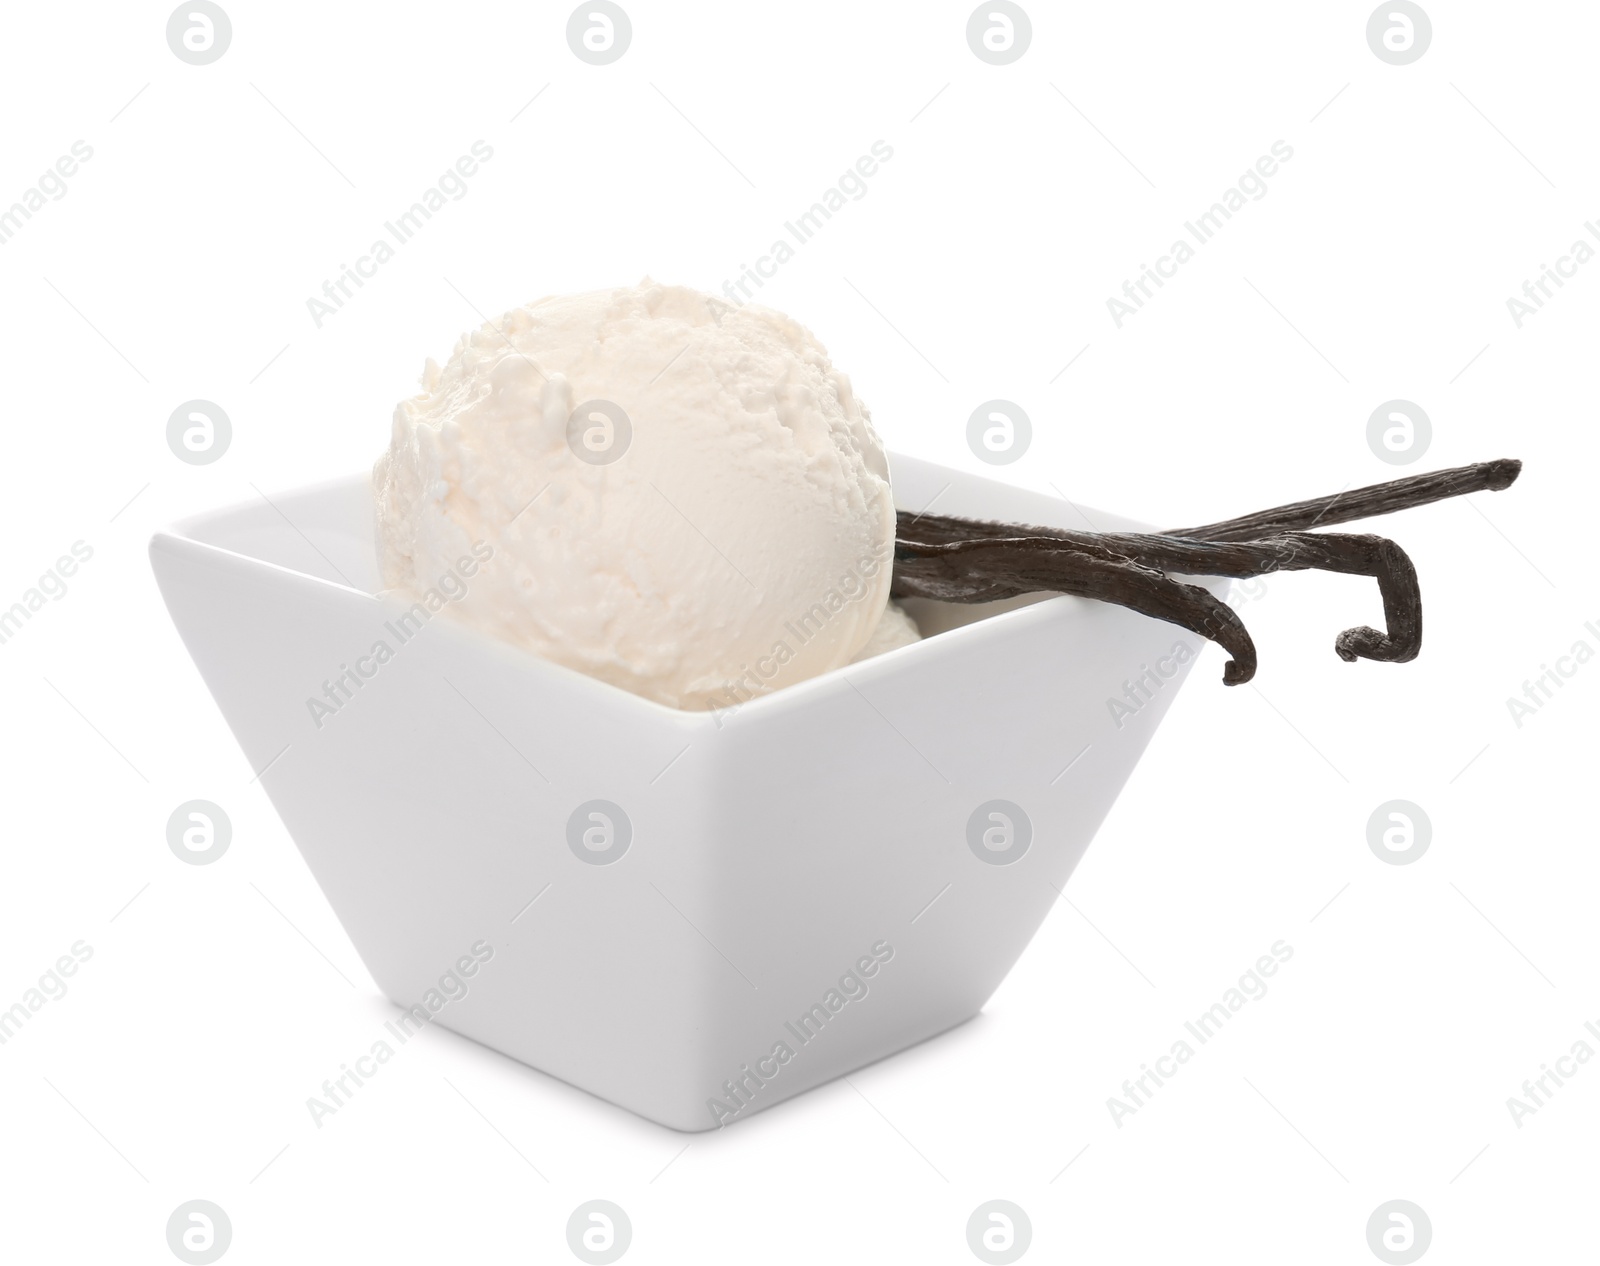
(895, 629)
(681, 498)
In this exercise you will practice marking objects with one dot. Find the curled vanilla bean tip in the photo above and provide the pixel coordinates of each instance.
(1365, 642)
(1402, 603)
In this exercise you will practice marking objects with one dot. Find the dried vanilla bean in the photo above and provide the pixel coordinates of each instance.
(1362, 503)
(968, 560)
(1086, 566)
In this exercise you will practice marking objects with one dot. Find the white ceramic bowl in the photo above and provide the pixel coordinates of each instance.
(828, 851)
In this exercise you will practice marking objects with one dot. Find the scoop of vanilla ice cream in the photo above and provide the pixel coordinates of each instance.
(741, 542)
(895, 629)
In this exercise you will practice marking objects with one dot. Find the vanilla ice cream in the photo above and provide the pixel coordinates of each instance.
(681, 498)
(895, 629)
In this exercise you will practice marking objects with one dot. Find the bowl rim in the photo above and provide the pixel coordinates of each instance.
(184, 537)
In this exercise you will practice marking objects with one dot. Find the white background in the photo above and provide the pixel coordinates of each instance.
(1377, 266)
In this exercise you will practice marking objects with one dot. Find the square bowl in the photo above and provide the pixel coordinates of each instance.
(692, 915)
